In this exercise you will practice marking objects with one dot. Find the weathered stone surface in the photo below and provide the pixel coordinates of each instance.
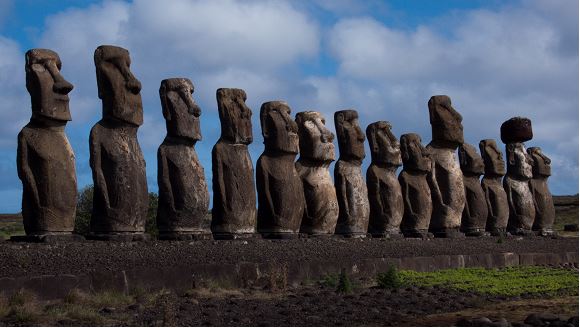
(495, 196)
(280, 193)
(316, 154)
(183, 194)
(414, 187)
(445, 178)
(121, 200)
(234, 194)
(385, 197)
(517, 188)
(545, 211)
(475, 210)
(351, 189)
(516, 129)
(45, 159)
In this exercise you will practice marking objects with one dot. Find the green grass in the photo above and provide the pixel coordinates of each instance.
(506, 281)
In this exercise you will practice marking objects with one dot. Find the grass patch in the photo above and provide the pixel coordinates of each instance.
(506, 281)
(344, 284)
(110, 299)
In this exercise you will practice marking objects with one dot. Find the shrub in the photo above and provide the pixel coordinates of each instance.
(389, 279)
(344, 284)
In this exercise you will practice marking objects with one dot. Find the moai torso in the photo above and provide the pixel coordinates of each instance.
(120, 200)
(45, 159)
(384, 190)
(316, 154)
(280, 193)
(414, 187)
(475, 210)
(495, 196)
(446, 179)
(519, 173)
(234, 195)
(351, 189)
(183, 194)
(545, 211)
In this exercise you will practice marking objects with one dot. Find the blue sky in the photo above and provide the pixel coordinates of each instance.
(495, 59)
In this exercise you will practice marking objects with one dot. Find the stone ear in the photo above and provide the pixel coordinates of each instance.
(164, 104)
(372, 138)
(511, 154)
(462, 156)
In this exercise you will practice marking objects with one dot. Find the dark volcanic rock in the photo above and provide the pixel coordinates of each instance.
(121, 200)
(475, 210)
(545, 211)
(495, 196)
(516, 129)
(45, 159)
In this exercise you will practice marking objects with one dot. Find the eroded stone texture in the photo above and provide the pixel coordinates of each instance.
(516, 129)
(121, 200)
(446, 179)
(495, 196)
(475, 211)
(414, 187)
(45, 159)
(385, 197)
(545, 211)
(234, 194)
(183, 193)
(316, 154)
(351, 189)
(280, 193)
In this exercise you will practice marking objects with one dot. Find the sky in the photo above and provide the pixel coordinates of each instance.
(495, 59)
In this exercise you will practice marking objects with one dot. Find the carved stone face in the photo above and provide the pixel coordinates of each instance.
(470, 161)
(415, 156)
(48, 89)
(519, 162)
(315, 139)
(350, 136)
(118, 88)
(492, 158)
(385, 147)
(235, 116)
(181, 113)
(541, 163)
(280, 132)
(446, 126)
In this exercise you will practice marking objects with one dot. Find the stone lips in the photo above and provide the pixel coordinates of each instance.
(516, 129)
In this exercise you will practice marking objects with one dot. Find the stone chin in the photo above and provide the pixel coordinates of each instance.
(324, 152)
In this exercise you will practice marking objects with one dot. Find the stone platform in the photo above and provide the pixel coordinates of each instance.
(52, 270)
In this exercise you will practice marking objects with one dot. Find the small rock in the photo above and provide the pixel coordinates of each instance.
(571, 227)
(107, 310)
(502, 322)
(475, 322)
(135, 307)
(574, 321)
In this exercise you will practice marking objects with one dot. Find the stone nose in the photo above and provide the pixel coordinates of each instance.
(133, 85)
(194, 109)
(62, 87)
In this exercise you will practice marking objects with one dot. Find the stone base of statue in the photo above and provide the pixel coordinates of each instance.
(281, 235)
(448, 233)
(417, 233)
(319, 235)
(476, 232)
(48, 238)
(498, 232)
(184, 236)
(522, 232)
(353, 235)
(119, 236)
(235, 236)
(546, 232)
(387, 235)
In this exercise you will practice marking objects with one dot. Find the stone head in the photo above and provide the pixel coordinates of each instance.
(180, 111)
(446, 126)
(415, 157)
(519, 163)
(119, 90)
(541, 163)
(48, 89)
(280, 132)
(385, 148)
(349, 134)
(235, 116)
(492, 158)
(469, 160)
(315, 139)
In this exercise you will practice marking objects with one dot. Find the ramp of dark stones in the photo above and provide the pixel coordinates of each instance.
(52, 270)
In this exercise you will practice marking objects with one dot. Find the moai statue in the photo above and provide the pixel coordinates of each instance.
(545, 212)
(475, 210)
(495, 196)
(280, 193)
(120, 200)
(45, 159)
(183, 195)
(415, 188)
(316, 154)
(446, 179)
(385, 197)
(351, 189)
(234, 195)
(514, 132)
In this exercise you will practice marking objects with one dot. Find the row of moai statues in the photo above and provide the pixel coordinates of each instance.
(433, 195)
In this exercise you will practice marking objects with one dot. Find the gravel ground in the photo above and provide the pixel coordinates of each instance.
(18, 259)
